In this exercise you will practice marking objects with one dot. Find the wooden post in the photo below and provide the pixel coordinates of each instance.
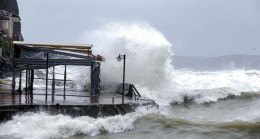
(65, 78)
(20, 83)
(53, 83)
(47, 66)
(91, 83)
(13, 82)
(20, 87)
(31, 84)
(26, 85)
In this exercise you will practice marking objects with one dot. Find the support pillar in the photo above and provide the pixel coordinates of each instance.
(92, 90)
(13, 81)
(95, 88)
(20, 88)
(47, 66)
(31, 84)
(65, 80)
(26, 85)
(53, 84)
(20, 83)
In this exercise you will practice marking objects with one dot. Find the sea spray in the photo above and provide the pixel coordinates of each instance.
(147, 53)
(148, 66)
(148, 57)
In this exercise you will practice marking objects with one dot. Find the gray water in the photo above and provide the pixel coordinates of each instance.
(213, 120)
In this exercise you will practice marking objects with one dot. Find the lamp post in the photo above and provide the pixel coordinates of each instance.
(119, 58)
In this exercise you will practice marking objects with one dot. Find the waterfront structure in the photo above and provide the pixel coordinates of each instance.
(32, 56)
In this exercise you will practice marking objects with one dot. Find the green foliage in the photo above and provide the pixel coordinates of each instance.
(7, 47)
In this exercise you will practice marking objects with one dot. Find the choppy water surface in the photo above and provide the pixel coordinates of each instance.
(193, 104)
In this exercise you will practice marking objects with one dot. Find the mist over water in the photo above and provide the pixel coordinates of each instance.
(195, 104)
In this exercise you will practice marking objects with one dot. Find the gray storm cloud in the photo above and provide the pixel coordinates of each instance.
(194, 27)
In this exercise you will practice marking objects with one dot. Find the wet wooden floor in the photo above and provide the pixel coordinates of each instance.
(72, 97)
(76, 103)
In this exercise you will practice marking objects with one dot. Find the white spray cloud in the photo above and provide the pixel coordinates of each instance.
(147, 53)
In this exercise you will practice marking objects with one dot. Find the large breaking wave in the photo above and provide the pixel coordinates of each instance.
(147, 53)
(148, 66)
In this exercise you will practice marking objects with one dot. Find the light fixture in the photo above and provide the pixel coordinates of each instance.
(119, 58)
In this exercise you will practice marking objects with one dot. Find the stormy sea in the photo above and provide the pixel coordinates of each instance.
(198, 98)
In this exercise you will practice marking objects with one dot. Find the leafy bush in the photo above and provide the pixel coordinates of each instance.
(7, 47)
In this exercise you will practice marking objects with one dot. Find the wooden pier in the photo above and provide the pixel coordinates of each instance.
(77, 103)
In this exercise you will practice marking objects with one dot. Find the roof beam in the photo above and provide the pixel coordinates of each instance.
(77, 46)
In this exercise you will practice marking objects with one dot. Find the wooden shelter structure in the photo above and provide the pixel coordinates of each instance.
(31, 56)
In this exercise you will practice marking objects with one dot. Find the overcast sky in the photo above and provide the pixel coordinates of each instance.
(194, 27)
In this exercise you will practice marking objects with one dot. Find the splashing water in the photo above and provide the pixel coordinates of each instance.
(147, 53)
(43, 126)
(148, 66)
(148, 56)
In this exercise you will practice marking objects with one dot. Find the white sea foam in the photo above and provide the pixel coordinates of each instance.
(45, 126)
(212, 86)
(203, 87)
